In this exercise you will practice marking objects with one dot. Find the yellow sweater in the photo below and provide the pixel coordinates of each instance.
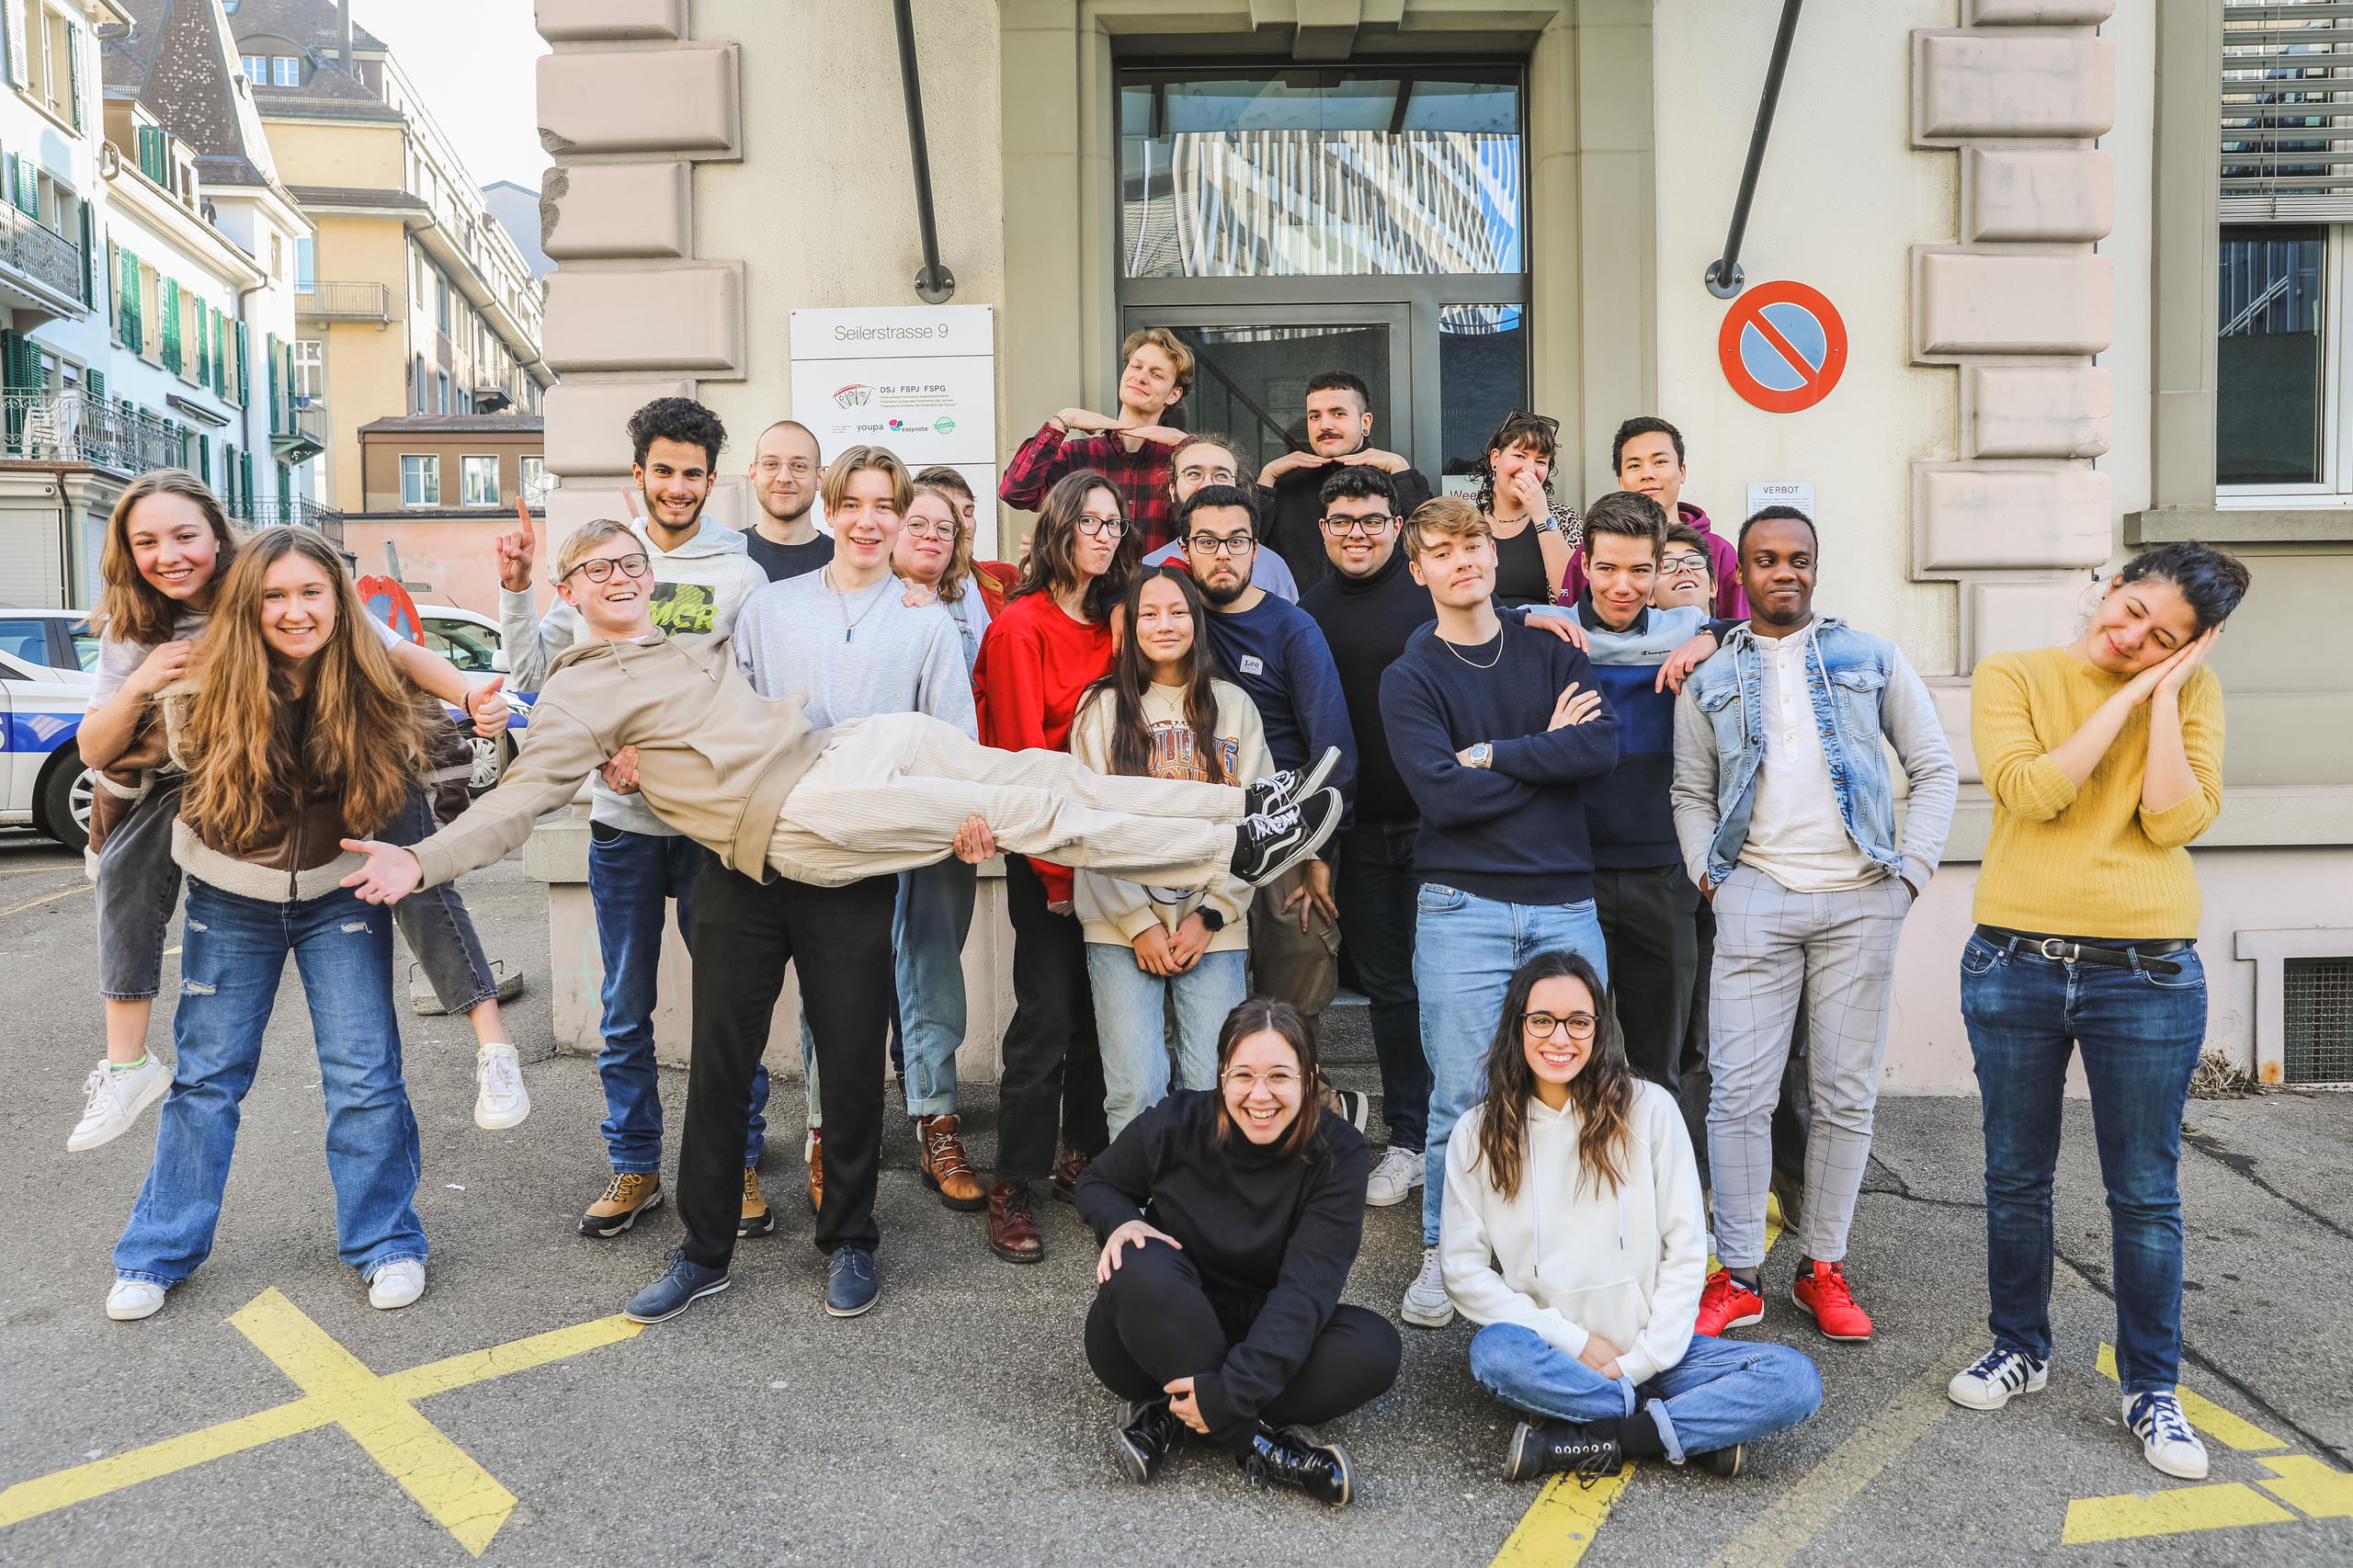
(2088, 862)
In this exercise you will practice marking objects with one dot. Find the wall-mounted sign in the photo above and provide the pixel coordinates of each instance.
(920, 380)
(1764, 493)
(1782, 346)
(390, 603)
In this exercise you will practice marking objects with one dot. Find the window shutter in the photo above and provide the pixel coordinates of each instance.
(204, 458)
(219, 355)
(244, 373)
(74, 72)
(167, 305)
(96, 382)
(245, 480)
(2283, 143)
(17, 74)
(269, 363)
(133, 335)
(89, 282)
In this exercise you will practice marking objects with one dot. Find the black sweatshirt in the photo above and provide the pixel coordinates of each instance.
(1262, 1228)
(1514, 831)
(1366, 622)
(1290, 513)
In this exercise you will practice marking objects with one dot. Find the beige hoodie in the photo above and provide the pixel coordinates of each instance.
(715, 759)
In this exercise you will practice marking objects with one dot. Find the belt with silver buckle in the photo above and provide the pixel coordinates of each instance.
(2070, 949)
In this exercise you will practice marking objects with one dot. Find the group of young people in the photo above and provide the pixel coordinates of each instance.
(1597, 804)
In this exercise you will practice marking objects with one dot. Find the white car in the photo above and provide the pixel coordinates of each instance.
(473, 643)
(46, 658)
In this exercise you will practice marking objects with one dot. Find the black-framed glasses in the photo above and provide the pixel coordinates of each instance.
(1551, 424)
(1682, 563)
(599, 569)
(1094, 528)
(1353, 528)
(1215, 546)
(1543, 1025)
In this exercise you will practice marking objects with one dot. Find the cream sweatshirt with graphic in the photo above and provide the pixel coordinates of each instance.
(1576, 1256)
(1116, 913)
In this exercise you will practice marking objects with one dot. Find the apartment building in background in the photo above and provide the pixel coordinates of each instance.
(435, 488)
(411, 297)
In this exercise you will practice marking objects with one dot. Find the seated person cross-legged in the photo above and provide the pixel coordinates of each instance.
(1229, 1218)
(1572, 1231)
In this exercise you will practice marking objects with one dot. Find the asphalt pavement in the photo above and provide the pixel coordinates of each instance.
(957, 1422)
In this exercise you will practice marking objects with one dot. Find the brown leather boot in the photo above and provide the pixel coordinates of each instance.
(817, 1151)
(1066, 1168)
(627, 1196)
(1013, 1224)
(940, 1161)
(757, 1219)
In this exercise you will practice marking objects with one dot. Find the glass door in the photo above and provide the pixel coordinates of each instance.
(1252, 364)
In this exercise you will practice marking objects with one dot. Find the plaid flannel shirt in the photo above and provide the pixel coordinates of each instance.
(1141, 477)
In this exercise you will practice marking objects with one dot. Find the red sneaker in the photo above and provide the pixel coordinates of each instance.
(1727, 1304)
(1824, 1292)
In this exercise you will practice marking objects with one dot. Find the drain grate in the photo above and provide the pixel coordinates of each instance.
(2319, 999)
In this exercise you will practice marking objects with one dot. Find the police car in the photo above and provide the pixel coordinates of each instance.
(46, 658)
(473, 643)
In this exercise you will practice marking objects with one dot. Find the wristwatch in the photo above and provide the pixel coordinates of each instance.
(1210, 919)
(1482, 756)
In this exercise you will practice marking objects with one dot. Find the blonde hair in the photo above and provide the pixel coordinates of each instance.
(950, 586)
(586, 538)
(1168, 343)
(1449, 515)
(131, 608)
(857, 459)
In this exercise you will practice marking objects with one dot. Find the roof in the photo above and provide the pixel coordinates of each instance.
(343, 196)
(456, 425)
(317, 23)
(314, 27)
(180, 63)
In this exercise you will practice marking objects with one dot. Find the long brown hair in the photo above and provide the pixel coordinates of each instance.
(1052, 566)
(1603, 1090)
(951, 584)
(131, 609)
(1259, 1014)
(244, 749)
(1131, 677)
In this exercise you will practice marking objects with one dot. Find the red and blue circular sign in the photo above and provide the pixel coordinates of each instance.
(1783, 346)
(390, 603)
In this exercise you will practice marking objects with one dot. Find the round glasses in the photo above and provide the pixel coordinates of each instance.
(1544, 1025)
(599, 569)
(933, 530)
(1281, 1081)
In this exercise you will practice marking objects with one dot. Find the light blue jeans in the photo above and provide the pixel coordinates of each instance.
(1465, 948)
(1131, 1019)
(927, 933)
(235, 952)
(1722, 1392)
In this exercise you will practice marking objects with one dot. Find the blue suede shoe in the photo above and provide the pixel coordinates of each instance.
(850, 1286)
(681, 1286)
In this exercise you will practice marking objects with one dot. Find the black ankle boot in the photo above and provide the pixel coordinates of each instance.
(1148, 1430)
(1288, 1459)
(1564, 1448)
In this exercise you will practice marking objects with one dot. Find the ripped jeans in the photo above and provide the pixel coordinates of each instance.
(1722, 1392)
(235, 952)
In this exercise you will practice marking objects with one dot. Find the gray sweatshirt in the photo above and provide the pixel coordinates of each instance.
(698, 588)
(855, 655)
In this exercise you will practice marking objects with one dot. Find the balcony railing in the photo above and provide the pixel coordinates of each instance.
(74, 427)
(32, 248)
(311, 421)
(297, 511)
(344, 301)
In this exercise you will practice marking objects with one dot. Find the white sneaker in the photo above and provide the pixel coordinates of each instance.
(396, 1284)
(128, 1300)
(1426, 1305)
(500, 1100)
(113, 1100)
(1999, 1374)
(2166, 1440)
(1398, 1174)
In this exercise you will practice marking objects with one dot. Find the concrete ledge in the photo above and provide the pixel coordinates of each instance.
(576, 21)
(2285, 524)
(2255, 816)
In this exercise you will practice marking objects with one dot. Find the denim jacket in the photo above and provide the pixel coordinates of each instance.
(1865, 695)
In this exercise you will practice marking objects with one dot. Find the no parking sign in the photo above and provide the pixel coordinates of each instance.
(1782, 346)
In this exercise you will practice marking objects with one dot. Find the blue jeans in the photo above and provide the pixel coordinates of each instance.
(1375, 887)
(2140, 1033)
(234, 950)
(1465, 948)
(1722, 1392)
(1130, 1020)
(632, 876)
(927, 930)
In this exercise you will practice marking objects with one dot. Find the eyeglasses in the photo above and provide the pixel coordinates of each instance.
(1546, 420)
(599, 569)
(1354, 528)
(1682, 565)
(1543, 1025)
(1209, 544)
(1095, 527)
(933, 530)
(1281, 1081)
(1220, 475)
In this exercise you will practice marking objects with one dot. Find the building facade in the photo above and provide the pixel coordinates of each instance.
(2083, 257)
(437, 487)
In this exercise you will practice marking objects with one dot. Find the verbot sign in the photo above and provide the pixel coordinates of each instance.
(1783, 346)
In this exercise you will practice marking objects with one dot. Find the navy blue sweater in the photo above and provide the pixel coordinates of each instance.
(1276, 653)
(1514, 831)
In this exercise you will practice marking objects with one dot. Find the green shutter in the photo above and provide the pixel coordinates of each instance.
(89, 238)
(219, 355)
(96, 382)
(285, 489)
(269, 363)
(74, 72)
(245, 481)
(130, 331)
(244, 373)
(204, 460)
(167, 305)
(18, 61)
(27, 182)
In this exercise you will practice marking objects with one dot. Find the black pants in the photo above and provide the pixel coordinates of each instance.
(1646, 919)
(1792, 1116)
(1053, 1063)
(1153, 1322)
(745, 932)
(1376, 890)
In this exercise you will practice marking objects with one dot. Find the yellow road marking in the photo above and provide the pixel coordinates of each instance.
(62, 892)
(36, 870)
(169, 951)
(1562, 1521)
(339, 1390)
(2177, 1512)
(2205, 1414)
(2308, 1485)
(1797, 1517)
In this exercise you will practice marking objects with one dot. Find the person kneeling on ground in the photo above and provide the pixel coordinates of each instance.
(1578, 1179)
(1243, 1206)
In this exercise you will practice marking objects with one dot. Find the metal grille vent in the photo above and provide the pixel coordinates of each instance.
(2318, 994)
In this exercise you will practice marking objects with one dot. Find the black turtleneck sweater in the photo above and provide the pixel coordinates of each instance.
(1273, 1236)
(1366, 622)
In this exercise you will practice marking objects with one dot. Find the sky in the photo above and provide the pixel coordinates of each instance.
(472, 61)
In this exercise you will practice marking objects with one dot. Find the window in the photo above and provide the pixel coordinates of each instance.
(441, 392)
(421, 480)
(2272, 425)
(480, 478)
(257, 68)
(306, 277)
(27, 639)
(441, 303)
(310, 369)
(277, 257)
(533, 483)
(287, 70)
(422, 385)
(469, 647)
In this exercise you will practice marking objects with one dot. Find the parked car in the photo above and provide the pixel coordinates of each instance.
(472, 642)
(46, 658)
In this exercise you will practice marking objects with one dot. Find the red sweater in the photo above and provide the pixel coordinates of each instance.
(1035, 664)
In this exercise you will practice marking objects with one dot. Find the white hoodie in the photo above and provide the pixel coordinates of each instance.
(1625, 1264)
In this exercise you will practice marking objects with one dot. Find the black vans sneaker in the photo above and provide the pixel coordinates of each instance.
(1283, 790)
(1562, 1447)
(1266, 846)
